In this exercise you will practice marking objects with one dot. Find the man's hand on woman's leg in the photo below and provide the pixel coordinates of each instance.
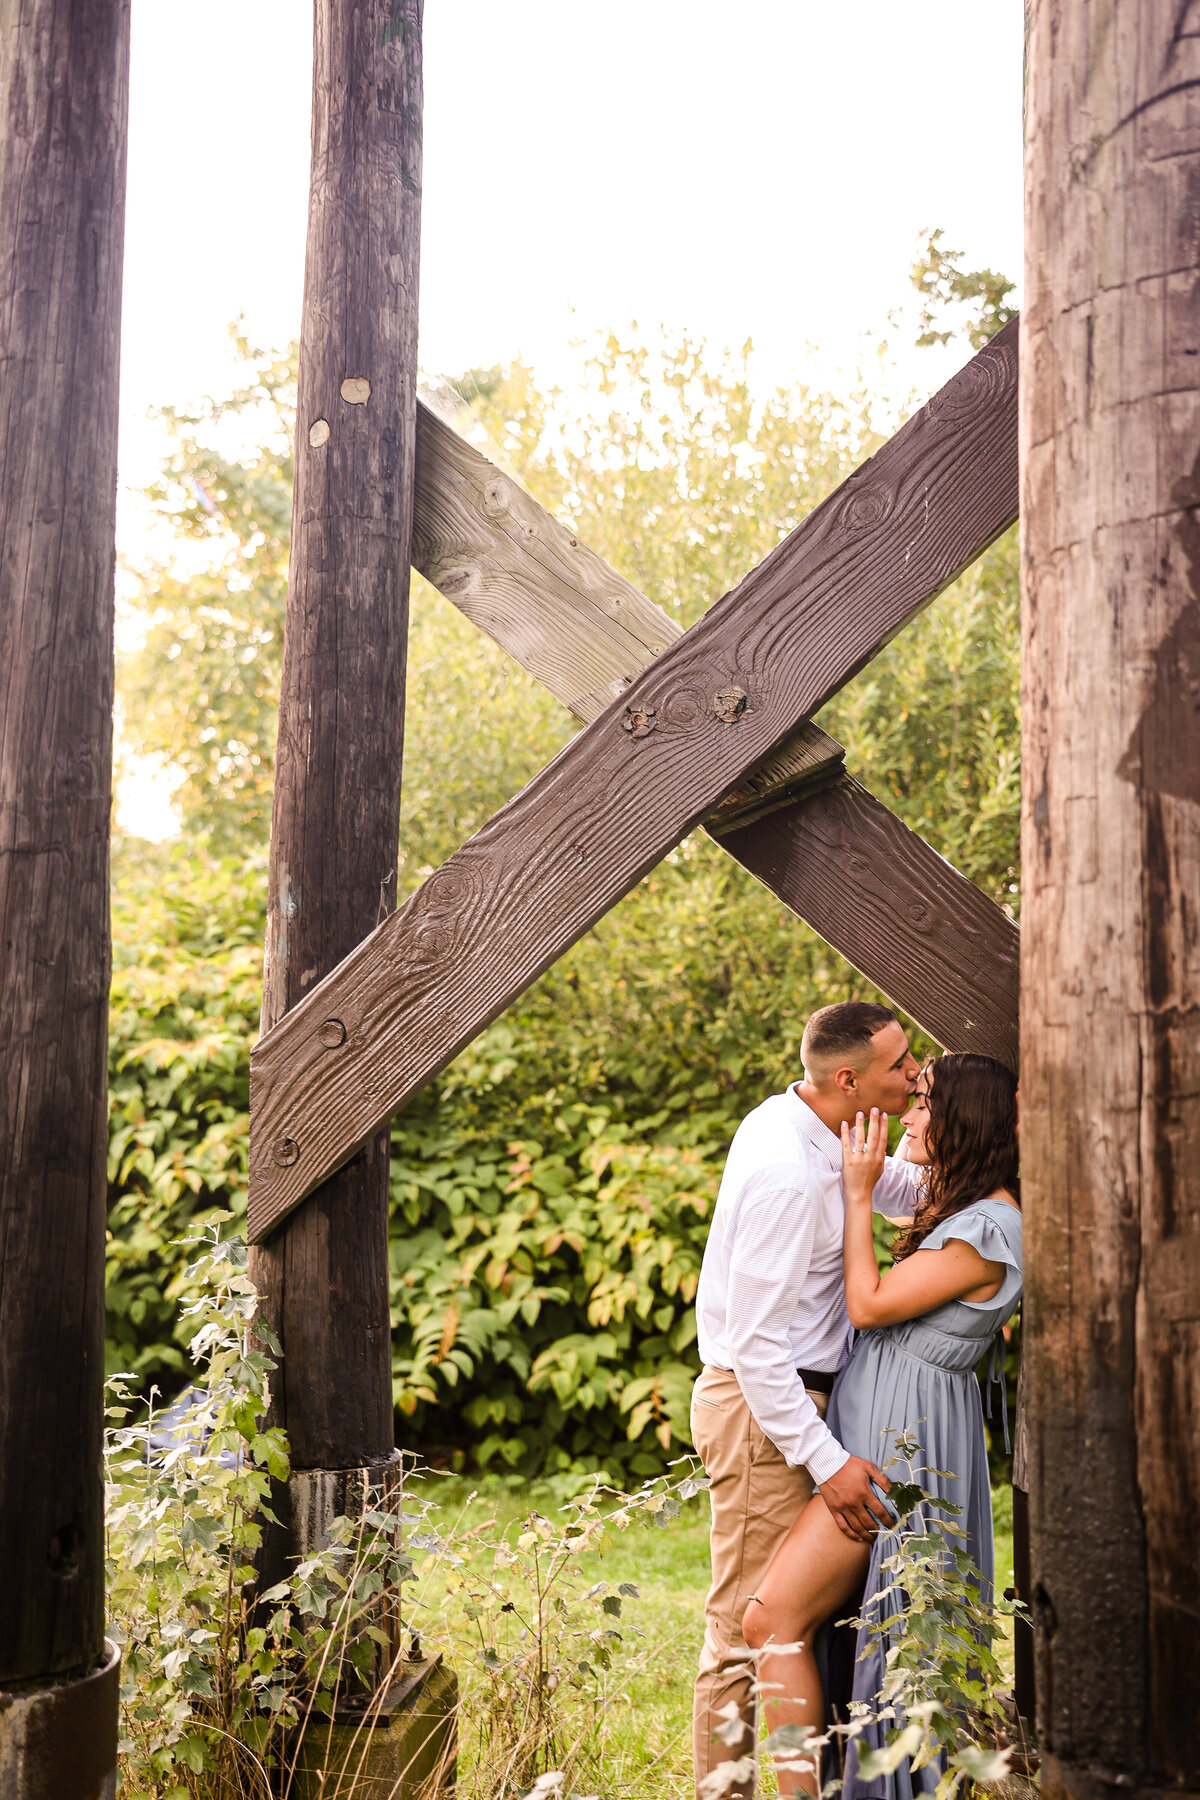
(852, 1500)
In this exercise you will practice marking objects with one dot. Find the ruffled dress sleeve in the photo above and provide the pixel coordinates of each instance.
(992, 1227)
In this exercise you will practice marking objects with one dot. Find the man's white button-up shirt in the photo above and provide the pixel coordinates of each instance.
(772, 1296)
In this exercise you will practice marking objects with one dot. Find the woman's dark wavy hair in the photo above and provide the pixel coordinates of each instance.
(971, 1140)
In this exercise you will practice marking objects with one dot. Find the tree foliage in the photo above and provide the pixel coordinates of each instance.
(550, 1191)
(973, 303)
(186, 992)
(202, 691)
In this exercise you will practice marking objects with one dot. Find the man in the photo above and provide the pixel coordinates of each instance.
(773, 1333)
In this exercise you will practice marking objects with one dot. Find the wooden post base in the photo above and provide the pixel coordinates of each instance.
(60, 1743)
(319, 1496)
(405, 1747)
(307, 1503)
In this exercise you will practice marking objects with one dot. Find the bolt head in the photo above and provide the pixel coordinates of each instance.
(285, 1151)
(332, 1033)
(639, 721)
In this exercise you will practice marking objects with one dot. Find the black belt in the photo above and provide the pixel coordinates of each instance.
(819, 1380)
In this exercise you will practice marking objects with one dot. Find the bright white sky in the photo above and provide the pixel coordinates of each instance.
(760, 171)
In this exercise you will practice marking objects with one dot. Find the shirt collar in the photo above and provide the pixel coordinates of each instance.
(815, 1130)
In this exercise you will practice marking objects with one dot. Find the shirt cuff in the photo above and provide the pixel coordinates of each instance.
(827, 1461)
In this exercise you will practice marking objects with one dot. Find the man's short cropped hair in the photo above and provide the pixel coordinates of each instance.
(838, 1036)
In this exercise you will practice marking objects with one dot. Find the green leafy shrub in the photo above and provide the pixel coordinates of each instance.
(199, 1693)
(219, 1686)
(945, 1694)
(186, 991)
(550, 1292)
(945, 1704)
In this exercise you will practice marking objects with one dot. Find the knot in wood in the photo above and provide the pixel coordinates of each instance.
(730, 704)
(285, 1151)
(497, 496)
(332, 1033)
(318, 433)
(65, 1549)
(356, 390)
(640, 721)
(864, 508)
(983, 380)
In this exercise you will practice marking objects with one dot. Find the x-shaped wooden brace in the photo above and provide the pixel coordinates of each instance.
(677, 721)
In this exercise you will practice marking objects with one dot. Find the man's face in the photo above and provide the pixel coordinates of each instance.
(891, 1075)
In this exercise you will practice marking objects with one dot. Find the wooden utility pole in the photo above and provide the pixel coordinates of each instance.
(63, 110)
(1110, 1081)
(334, 831)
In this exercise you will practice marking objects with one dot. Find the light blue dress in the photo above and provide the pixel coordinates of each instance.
(919, 1377)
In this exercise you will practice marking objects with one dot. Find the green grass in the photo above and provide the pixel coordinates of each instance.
(644, 1700)
(647, 1702)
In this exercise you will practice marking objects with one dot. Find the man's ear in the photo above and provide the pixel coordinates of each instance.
(846, 1081)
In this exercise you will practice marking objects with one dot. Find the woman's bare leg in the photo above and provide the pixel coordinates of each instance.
(816, 1569)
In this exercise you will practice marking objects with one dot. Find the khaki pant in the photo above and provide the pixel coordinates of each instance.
(756, 1497)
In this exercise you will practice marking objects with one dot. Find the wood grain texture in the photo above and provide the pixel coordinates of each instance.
(894, 908)
(634, 782)
(63, 111)
(1110, 1095)
(873, 889)
(533, 586)
(526, 580)
(334, 828)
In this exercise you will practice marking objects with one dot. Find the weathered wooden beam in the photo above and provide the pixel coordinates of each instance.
(873, 889)
(525, 579)
(633, 783)
(1110, 1082)
(557, 608)
(895, 909)
(64, 72)
(335, 823)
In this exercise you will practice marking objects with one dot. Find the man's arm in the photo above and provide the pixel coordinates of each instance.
(770, 1260)
(769, 1264)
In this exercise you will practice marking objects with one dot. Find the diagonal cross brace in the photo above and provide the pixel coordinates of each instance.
(839, 858)
(654, 762)
(558, 609)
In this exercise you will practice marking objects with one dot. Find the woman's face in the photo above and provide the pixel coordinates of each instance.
(916, 1122)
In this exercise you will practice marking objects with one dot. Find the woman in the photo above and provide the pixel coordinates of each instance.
(924, 1325)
